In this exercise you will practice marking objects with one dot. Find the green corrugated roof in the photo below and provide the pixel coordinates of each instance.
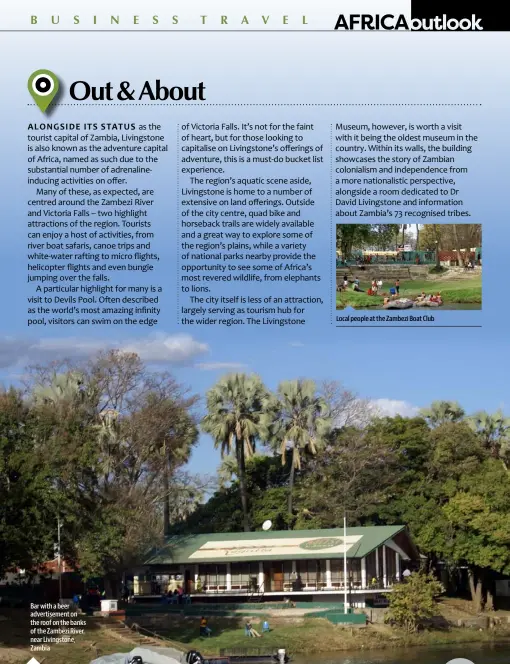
(183, 549)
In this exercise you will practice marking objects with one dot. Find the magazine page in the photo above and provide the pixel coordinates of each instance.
(252, 403)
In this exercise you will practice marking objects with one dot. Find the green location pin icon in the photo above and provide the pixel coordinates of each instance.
(43, 86)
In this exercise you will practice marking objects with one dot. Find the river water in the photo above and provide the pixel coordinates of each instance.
(478, 654)
(427, 310)
(450, 306)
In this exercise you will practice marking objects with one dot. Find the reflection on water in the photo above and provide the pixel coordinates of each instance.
(478, 654)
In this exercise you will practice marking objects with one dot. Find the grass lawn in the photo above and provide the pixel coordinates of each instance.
(315, 635)
(461, 291)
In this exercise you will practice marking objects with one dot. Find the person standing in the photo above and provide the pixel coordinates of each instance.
(397, 286)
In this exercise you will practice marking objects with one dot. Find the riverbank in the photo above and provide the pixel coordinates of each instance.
(461, 291)
(319, 636)
(300, 637)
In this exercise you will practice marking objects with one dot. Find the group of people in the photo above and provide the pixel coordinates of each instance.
(423, 297)
(376, 285)
(374, 289)
(249, 630)
(177, 596)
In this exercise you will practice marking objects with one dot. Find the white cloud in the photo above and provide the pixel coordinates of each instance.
(155, 348)
(223, 366)
(392, 407)
(176, 349)
(296, 344)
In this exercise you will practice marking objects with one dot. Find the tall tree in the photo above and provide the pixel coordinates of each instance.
(235, 406)
(113, 435)
(493, 431)
(440, 412)
(299, 424)
(28, 497)
(477, 519)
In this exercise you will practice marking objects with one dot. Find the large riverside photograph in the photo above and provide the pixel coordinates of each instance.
(409, 266)
(252, 519)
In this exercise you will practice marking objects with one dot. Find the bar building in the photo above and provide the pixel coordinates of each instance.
(306, 565)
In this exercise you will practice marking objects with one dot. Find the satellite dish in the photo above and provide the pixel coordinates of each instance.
(267, 525)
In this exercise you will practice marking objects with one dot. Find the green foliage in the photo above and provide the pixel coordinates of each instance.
(93, 446)
(28, 498)
(236, 406)
(103, 447)
(296, 423)
(413, 602)
(266, 482)
(440, 412)
(358, 236)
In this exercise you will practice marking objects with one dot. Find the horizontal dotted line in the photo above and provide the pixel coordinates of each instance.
(268, 104)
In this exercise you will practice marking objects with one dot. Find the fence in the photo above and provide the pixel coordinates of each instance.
(401, 258)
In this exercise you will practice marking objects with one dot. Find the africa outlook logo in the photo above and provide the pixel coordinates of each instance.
(43, 86)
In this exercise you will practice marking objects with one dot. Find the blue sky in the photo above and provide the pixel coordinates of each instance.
(400, 369)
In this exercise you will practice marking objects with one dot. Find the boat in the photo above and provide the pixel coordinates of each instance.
(403, 303)
(246, 659)
(241, 656)
(143, 655)
(249, 659)
(428, 303)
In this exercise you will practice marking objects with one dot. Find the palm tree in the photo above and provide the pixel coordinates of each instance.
(235, 406)
(441, 412)
(64, 388)
(493, 431)
(300, 423)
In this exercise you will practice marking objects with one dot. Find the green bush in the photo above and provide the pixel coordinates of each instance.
(413, 601)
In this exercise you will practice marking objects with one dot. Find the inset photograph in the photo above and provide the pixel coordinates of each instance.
(405, 266)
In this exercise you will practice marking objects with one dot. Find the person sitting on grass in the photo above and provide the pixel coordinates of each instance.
(204, 628)
(355, 287)
(248, 628)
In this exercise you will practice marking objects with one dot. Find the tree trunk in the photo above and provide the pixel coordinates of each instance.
(489, 602)
(291, 490)
(476, 587)
(417, 237)
(166, 495)
(457, 246)
(488, 586)
(436, 232)
(241, 471)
